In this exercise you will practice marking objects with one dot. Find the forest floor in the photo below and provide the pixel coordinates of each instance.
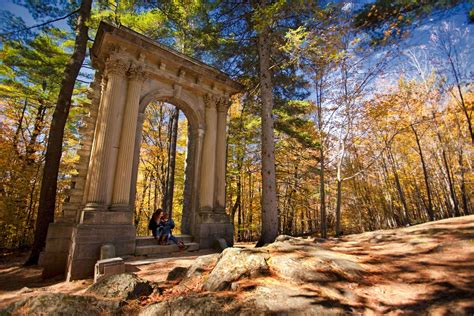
(427, 268)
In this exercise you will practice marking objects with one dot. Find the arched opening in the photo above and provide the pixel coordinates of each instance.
(161, 170)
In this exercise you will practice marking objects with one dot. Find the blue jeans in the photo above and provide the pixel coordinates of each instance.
(165, 235)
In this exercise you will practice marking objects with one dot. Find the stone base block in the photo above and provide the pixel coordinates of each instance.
(54, 258)
(107, 267)
(53, 263)
(87, 241)
(208, 234)
(106, 217)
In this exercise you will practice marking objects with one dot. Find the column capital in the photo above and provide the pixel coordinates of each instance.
(137, 72)
(210, 101)
(223, 104)
(116, 65)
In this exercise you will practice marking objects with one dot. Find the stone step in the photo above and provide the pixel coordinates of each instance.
(81, 167)
(150, 241)
(68, 206)
(74, 192)
(76, 199)
(78, 185)
(163, 249)
(84, 152)
(70, 214)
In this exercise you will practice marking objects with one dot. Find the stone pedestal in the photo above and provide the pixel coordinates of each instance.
(53, 259)
(213, 226)
(87, 239)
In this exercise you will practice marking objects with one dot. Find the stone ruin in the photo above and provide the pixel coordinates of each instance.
(131, 72)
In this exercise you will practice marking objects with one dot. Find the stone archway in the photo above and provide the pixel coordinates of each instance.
(132, 71)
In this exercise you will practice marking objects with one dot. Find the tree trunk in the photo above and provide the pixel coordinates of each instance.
(37, 127)
(452, 191)
(239, 213)
(464, 194)
(269, 195)
(19, 127)
(54, 150)
(168, 198)
(406, 218)
(338, 207)
(429, 209)
(142, 201)
(322, 189)
(464, 106)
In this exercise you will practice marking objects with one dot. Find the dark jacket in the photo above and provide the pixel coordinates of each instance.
(152, 225)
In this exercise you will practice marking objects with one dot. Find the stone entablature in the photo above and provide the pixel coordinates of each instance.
(134, 71)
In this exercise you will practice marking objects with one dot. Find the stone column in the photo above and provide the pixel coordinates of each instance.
(103, 151)
(198, 136)
(123, 172)
(188, 183)
(136, 160)
(221, 155)
(103, 86)
(208, 163)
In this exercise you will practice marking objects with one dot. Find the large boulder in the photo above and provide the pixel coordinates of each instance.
(304, 261)
(177, 274)
(197, 305)
(202, 264)
(123, 286)
(237, 263)
(62, 304)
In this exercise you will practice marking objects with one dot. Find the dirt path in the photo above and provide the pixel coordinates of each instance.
(18, 282)
(426, 268)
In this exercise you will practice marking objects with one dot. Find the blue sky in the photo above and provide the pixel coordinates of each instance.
(20, 11)
(418, 41)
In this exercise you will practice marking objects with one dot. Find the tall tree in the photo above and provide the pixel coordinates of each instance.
(269, 195)
(55, 139)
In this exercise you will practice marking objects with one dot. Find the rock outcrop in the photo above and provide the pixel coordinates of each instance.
(62, 304)
(123, 286)
(237, 263)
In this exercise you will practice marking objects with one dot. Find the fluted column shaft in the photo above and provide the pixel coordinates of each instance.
(221, 152)
(188, 182)
(103, 151)
(198, 140)
(123, 173)
(92, 161)
(208, 164)
(136, 159)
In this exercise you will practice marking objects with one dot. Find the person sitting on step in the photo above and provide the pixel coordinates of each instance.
(154, 223)
(167, 224)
